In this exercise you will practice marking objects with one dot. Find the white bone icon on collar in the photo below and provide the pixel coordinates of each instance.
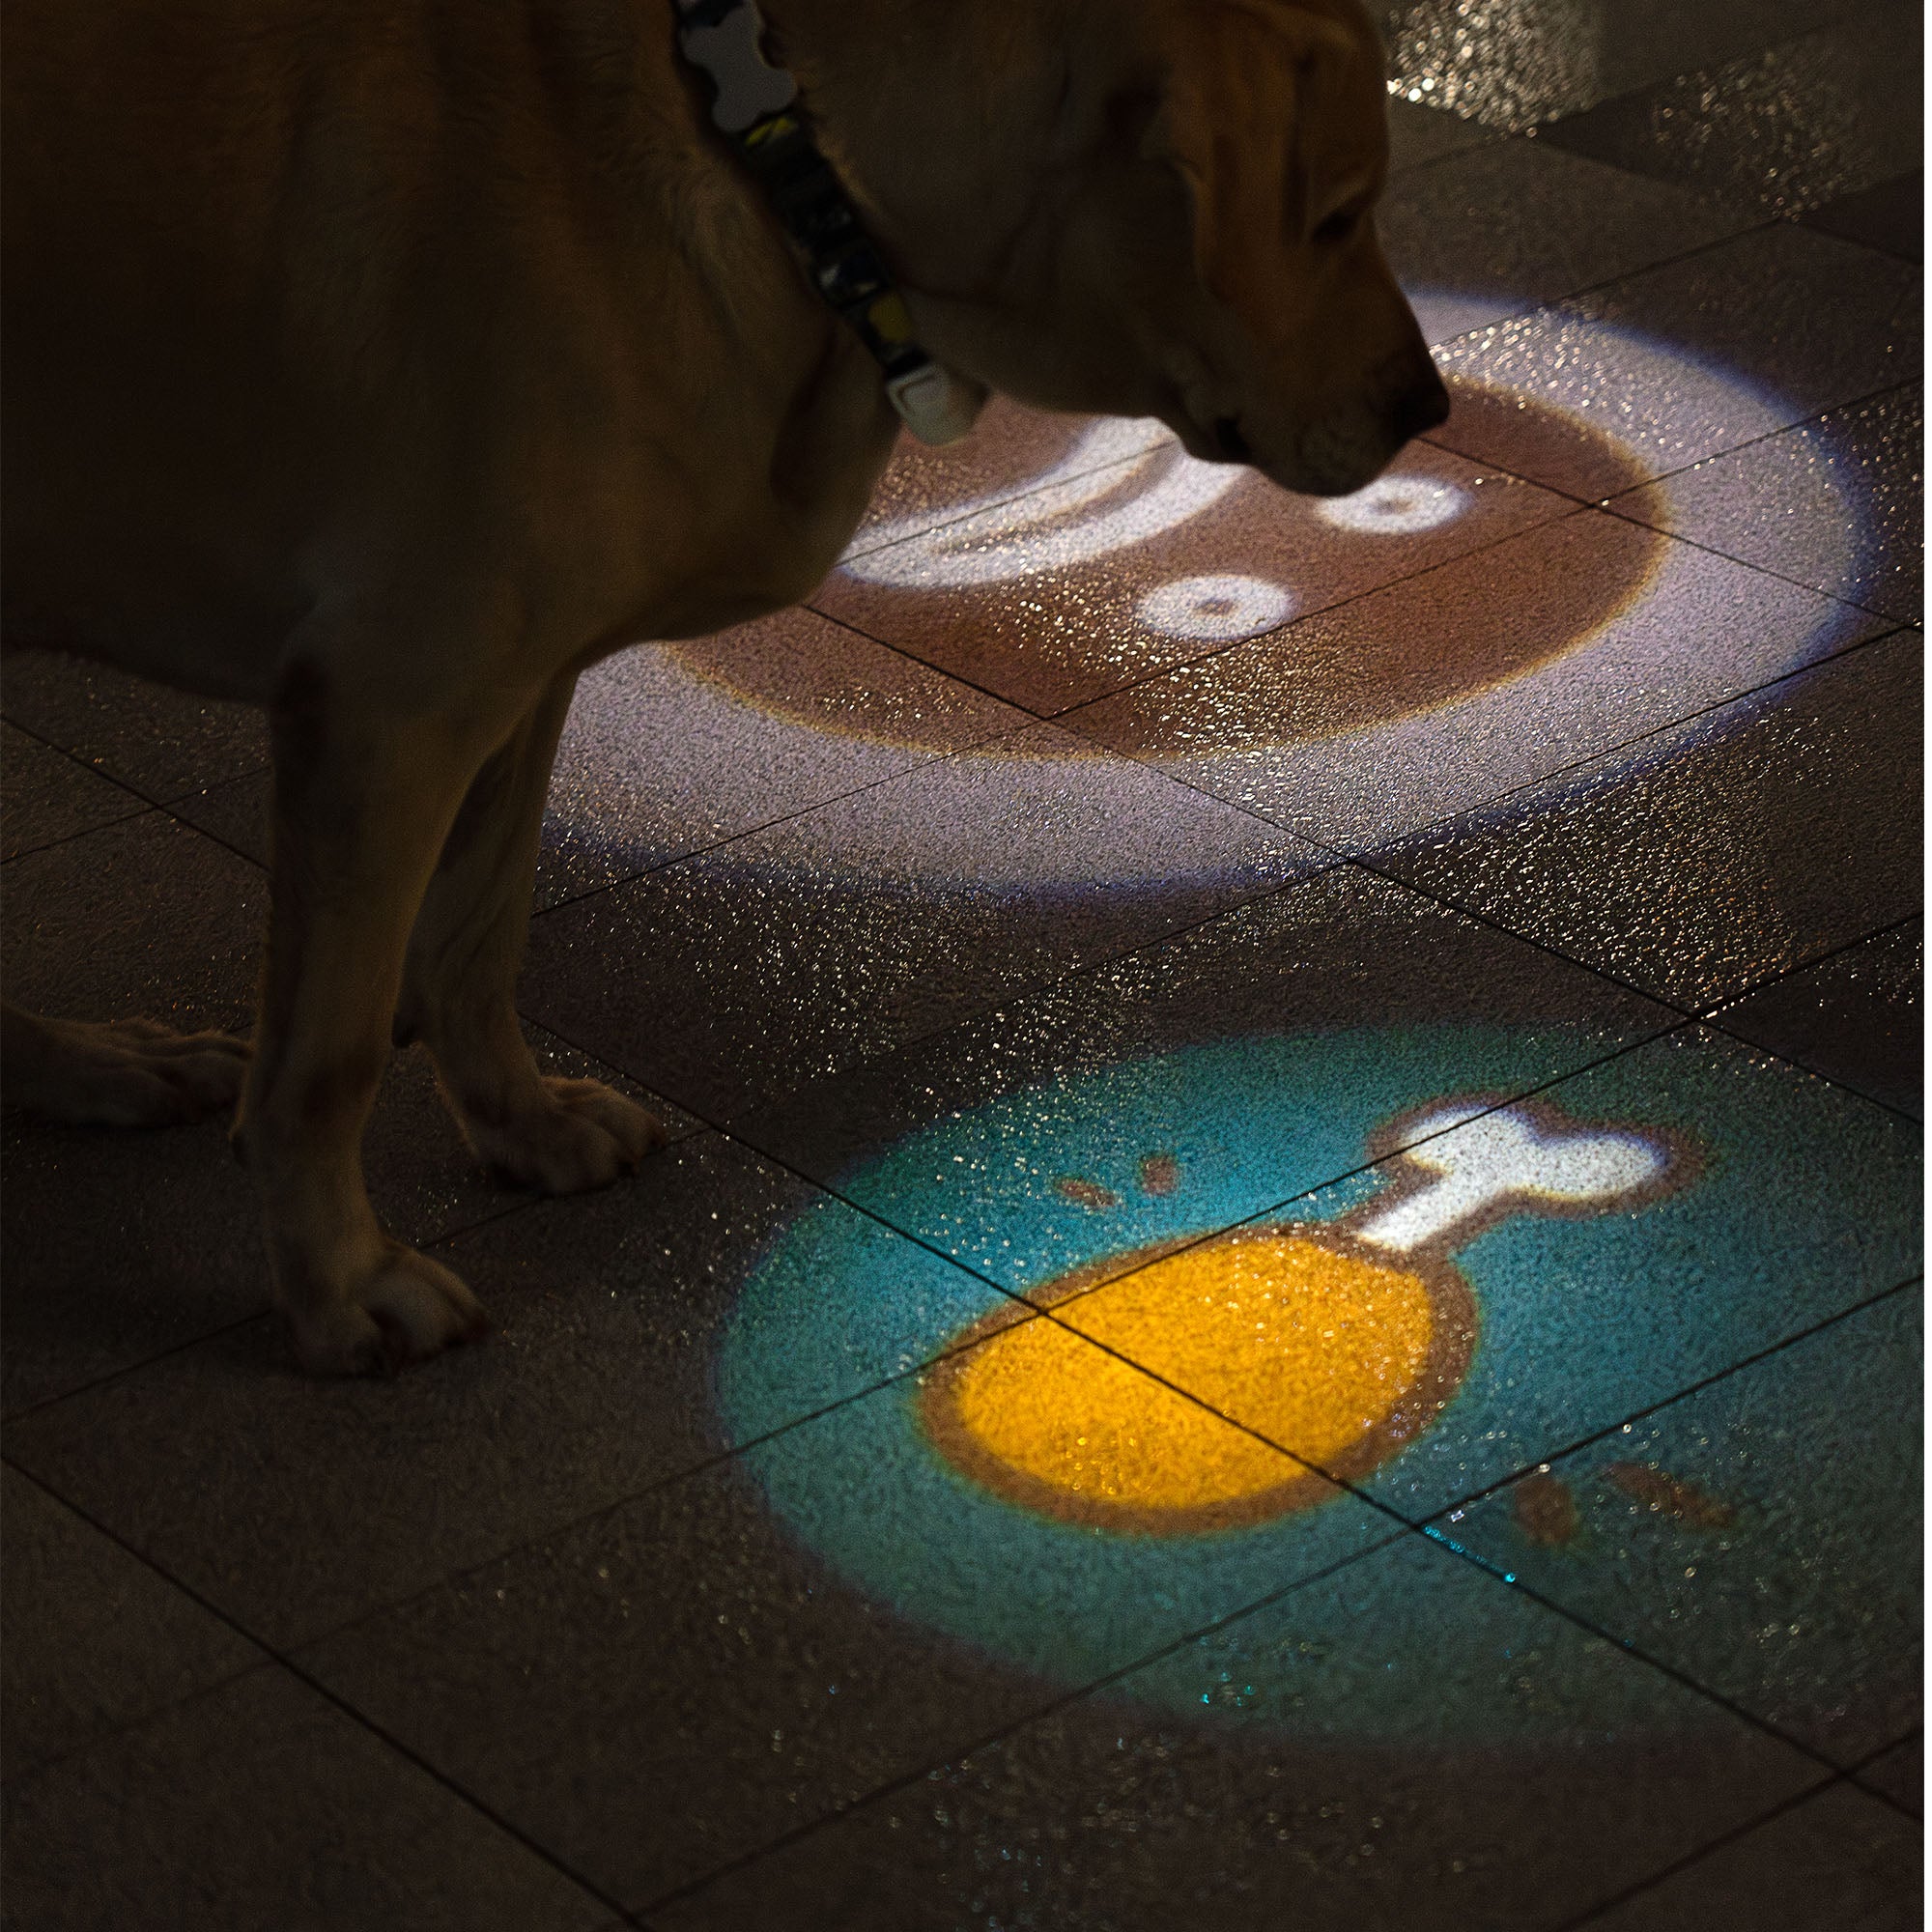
(1486, 1163)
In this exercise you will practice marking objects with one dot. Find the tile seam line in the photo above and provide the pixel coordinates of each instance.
(139, 810)
(732, 1127)
(1018, 1297)
(1885, 631)
(1837, 26)
(258, 1662)
(274, 1657)
(1401, 1527)
(1884, 628)
(712, 847)
(997, 1736)
(1323, 862)
(1863, 400)
(1571, 508)
(1495, 1571)
(920, 765)
(1429, 1523)
(157, 797)
(74, 757)
(1421, 1526)
(267, 1311)
(1696, 1012)
(1596, 1913)
(21, 1417)
(719, 1458)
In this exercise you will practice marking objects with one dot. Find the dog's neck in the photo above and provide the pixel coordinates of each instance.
(940, 117)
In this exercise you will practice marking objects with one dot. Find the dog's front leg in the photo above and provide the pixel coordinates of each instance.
(365, 794)
(459, 982)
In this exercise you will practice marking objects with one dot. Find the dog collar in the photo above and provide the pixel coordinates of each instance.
(755, 104)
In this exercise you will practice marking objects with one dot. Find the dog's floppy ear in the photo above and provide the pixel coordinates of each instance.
(1241, 79)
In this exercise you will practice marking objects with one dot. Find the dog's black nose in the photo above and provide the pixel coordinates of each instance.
(1421, 407)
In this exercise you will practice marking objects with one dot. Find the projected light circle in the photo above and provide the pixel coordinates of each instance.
(1120, 555)
(1395, 506)
(1531, 1271)
(1220, 609)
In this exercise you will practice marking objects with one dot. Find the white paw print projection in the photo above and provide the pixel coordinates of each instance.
(1054, 560)
(1346, 1336)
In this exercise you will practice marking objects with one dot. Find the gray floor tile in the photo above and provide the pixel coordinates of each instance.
(158, 741)
(1513, 62)
(1837, 1862)
(1899, 1773)
(1854, 1017)
(1493, 232)
(1836, 503)
(261, 1805)
(117, 1248)
(609, 1309)
(1761, 1536)
(1405, 1742)
(1454, 688)
(1685, 361)
(46, 796)
(1419, 134)
(141, 919)
(1720, 852)
(95, 1639)
(1777, 130)
(678, 1684)
(1891, 215)
(1425, 1362)
(1257, 1057)
(726, 979)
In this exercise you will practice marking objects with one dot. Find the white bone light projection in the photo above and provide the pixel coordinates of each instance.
(1487, 1164)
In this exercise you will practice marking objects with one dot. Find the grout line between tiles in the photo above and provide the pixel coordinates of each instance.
(1020, 1722)
(276, 1657)
(1591, 1914)
(1450, 1511)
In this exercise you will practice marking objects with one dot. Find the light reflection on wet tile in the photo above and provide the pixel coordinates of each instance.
(1783, 130)
(1781, 503)
(1837, 1862)
(1854, 1017)
(761, 1689)
(1784, 323)
(888, 914)
(1356, 725)
(1405, 1742)
(1511, 64)
(1761, 1536)
(1756, 840)
(1031, 1144)
(1517, 223)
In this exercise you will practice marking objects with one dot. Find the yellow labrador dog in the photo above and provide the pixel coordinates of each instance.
(387, 362)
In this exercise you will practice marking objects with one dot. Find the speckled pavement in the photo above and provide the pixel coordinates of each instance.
(1286, 1286)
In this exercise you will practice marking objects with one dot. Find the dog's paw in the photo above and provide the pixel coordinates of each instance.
(574, 1135)
(406, 1309)
(124, 1073)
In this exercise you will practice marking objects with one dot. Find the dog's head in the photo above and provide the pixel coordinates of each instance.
(1175, 220)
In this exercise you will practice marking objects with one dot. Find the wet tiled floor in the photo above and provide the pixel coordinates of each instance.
(1286, 1285)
